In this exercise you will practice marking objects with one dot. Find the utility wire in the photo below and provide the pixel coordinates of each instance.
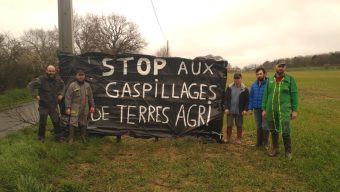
(154, 10)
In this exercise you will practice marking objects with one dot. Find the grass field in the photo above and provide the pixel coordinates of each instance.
(185, 164)
(14, 97)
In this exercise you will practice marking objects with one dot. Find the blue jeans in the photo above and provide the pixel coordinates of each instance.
(260, 121)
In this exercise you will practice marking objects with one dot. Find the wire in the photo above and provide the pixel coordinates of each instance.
(159, 24)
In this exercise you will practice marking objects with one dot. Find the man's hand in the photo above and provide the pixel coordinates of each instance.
(294, 115)
(60, 97)
(244, 112)
(226, 111)
(264, 114)
(91, 110)
(37, 98)
(68, 111)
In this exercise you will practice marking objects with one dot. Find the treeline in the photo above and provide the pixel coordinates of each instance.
(26, 57)
(321, 60)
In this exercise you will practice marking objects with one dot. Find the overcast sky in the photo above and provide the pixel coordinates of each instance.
(241, 31)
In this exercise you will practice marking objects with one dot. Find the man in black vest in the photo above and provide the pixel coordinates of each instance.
(48, 89)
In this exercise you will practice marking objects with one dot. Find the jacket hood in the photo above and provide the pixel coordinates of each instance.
(243, 86)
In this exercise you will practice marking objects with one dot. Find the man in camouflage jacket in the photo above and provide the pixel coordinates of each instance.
(78, 103)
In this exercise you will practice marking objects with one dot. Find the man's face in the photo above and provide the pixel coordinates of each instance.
(80, 77)
(260, 75)
(50, 71)
(280, 69)
(238, 81)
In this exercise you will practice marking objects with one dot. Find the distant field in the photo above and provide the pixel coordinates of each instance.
(185, 164)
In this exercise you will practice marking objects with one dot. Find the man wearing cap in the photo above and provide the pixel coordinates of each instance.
(48, 90)
(235, 106)
(280, 105)
(78, 103)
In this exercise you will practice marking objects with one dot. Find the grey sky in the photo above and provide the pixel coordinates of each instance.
(241, 31)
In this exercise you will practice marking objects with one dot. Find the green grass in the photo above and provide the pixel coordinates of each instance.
(185, 164)
(14, 97)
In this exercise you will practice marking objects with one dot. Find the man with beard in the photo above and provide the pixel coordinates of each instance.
(48, 89)
(255, 103)
(78, 103)
(280, 104)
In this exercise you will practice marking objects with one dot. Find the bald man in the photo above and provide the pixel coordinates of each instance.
(48, 89)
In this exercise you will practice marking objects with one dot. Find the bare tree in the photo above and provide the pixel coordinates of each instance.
(163, 52)
(120, 36)
(111, 34)
(42, 46)
(11, 65)
(9, 49)
(87, 34)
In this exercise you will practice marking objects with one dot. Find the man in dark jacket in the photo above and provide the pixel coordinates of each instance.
(235, 106)
(48, 90)
(255, 103)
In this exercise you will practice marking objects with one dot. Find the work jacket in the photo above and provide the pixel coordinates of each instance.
(280, 98)
(47, 89)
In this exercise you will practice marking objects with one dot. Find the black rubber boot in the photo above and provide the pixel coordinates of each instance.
(119, 139)
(71, 134)
(266, 139)
(275, 142)
(83, 133)
(259, 141)
(288, 147)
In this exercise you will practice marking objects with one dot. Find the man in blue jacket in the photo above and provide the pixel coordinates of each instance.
(255, 103)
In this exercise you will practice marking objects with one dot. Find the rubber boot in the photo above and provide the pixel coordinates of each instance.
(229, 132)
(288, 148)
(119, 139)
(266, 139)
(259, 141)
(71, 134)
(83, 133)
(275, 142)
(239, 135)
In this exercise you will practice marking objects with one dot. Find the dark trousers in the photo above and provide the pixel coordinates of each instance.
(286, 134)
(262, 128)
(44, 112)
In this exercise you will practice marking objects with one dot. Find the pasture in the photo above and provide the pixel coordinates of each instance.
(186, 164)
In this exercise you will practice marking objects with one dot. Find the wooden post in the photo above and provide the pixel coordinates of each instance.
(167, 48)
(65, 21)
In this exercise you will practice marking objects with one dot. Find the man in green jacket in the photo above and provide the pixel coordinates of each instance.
(280, 105)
